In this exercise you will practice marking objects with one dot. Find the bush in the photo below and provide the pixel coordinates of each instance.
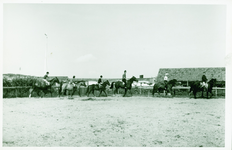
(17, 82)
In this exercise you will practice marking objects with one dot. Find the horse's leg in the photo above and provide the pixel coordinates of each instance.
(202, 93)
(93, 91)
(30, 92)
(211, 93)
(51, 91)
(194, 93)
(100, 93)
(117, 90)
(131, 92)
(79, 91)
(125, 92)
(67, 93)
(44, 93)
(38, 92)
(74, 90)
(105, 93)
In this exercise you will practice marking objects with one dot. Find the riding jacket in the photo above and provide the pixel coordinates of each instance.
(99, 81)
(204, 79)
(46, 76)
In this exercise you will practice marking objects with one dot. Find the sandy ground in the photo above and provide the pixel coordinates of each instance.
(114, 121)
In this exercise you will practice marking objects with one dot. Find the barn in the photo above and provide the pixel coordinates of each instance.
(185, 75)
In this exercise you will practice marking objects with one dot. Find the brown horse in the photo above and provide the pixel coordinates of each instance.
(120, 84)
(160, 86)
(70, 88)
(40, 85)
(93, 87)
(197, 87)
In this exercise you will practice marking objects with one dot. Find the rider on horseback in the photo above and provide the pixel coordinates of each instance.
(71, 81)
(165, 80)
(45, 78)
(124, 78)
(100, 82)
(204, 80)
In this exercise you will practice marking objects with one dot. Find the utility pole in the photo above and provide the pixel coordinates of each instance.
(45, 65)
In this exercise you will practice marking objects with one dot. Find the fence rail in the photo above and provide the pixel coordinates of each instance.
(17, 87)
(140, 89)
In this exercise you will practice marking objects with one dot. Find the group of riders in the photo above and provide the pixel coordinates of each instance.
(100, 80)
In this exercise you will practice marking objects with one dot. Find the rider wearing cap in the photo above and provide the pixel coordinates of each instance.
(99, 81)
(124, 78)
(166, 80)
(45, 78)
(204, 79)
(71, 81)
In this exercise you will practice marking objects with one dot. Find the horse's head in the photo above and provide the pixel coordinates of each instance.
(107, 82)
(134, 79)
(212, 82)
(55, 80)
(81, 83)
(172, 82)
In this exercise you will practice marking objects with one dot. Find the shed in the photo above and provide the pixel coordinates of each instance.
(192, 74)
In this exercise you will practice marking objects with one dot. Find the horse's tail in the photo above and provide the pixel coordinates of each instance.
(153, 90)
(60, 89)
(112, 85)
(31, 89)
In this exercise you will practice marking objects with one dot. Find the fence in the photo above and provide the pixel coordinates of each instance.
(188, 88)
(23, 91)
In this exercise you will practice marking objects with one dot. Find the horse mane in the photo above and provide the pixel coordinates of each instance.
(106, 81)
(212, 81)
(79, 81)
(172, 82)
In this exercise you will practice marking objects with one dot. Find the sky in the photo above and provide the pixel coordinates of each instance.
(89, 40)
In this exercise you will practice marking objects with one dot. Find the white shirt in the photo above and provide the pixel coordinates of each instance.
(166, 78)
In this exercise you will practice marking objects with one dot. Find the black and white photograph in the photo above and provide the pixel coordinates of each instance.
(116, 74)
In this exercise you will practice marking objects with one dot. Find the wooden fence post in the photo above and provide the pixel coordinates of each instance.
(216, 91)
(16, 92)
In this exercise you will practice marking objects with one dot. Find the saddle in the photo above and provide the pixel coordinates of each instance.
(100, 86)
(72, 84)
(46, 82)
(204, 84)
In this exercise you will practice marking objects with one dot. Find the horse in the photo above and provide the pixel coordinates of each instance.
(160, 86)
(70, 88)
(40, 85)
(197, 87)
(102, 88)
(120, 84)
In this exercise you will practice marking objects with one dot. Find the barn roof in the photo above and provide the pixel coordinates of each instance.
(192, 74)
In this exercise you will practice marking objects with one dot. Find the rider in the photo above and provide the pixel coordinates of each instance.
(204, 79)
(71, 81)
(99, 81)
(166, 80)
(124, 78)
(45, 78)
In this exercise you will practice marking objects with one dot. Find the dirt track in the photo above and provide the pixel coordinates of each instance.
(114, 121)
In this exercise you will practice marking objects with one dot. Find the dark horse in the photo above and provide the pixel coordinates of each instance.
(197, 87)
(40, 85)
(93, 87)
(120, 84)
(160, 87)
(70, 89)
